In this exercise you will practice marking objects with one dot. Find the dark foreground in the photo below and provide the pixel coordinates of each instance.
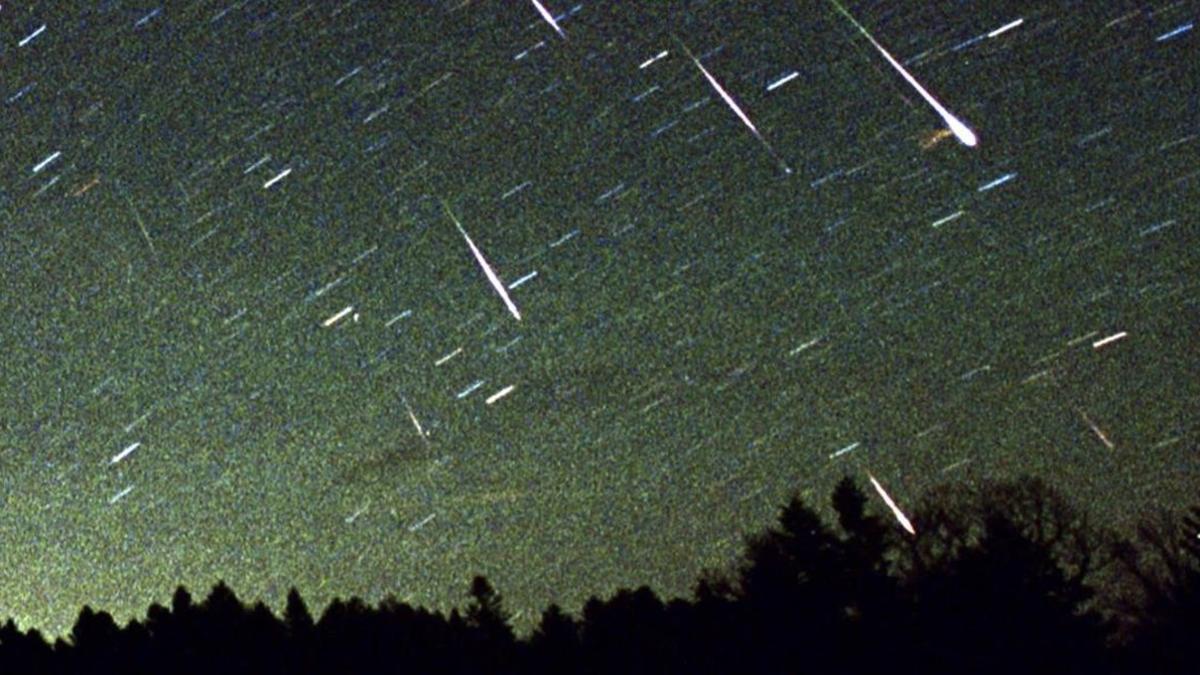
(1007, 578)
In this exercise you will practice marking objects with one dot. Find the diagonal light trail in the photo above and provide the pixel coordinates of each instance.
(737, 110)
(483, 263)
(960, 130)
(549, 18)
(903, 519)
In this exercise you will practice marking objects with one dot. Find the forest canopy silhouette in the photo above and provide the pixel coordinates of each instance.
(1000, 578)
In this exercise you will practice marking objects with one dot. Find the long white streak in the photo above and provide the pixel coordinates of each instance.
(1005, 28)
(487, 269)
(120, 495)
(29, 38)
(903, 519)
(447, 357)
(125, 453)
(500, 394)
(1110, 339)
(549, 18)
(278, 177)
(736, 109)
(960, 130)
(337, 317)
(46, 162)
(726, 97)
(846, 449)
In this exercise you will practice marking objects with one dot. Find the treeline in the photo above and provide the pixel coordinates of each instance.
(1003, 578)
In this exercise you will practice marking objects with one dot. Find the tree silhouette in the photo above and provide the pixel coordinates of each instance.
(1001, 577)
(1162, 566)
(1006, 590)
(490, 632)
(555, 642)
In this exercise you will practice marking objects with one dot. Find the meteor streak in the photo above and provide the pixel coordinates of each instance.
(487, 269)
(904, 522)
(735, 107)
(960, 130)
(549, 18)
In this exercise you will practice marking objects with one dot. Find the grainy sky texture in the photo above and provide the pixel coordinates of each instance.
(244, 338)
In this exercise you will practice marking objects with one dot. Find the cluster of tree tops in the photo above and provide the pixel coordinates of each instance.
(1000, 578)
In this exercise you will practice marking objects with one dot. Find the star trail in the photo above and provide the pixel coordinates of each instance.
(248, 336)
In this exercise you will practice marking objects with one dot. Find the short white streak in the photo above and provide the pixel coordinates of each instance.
(1178, 31)
(1110, 339)
(998, 182)
(846, 449)
(277, 178)
(337, 317)
(564, 239)
(257, 164)
(396, 318)
(120, 495)
(904, 522)
(1005, 28)
(804, 346)
(942, 221)
(652, 59)
(522, 280)
(782, 81)
(29, 38)
(125, 453)
(500, 394)
(467, 392)
(422, 523)
(447, 357)
(129, 427)
(46, 162)
(413, 416)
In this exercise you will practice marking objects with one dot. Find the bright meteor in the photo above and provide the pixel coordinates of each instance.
(957, 127)
(900, 517)
(549, 18)
(487, 269)
(736, 108)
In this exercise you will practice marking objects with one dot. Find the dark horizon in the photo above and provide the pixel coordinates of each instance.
(1002, 577)
(366, 296)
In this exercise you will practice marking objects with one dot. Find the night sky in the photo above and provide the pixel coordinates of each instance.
(244, 338)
